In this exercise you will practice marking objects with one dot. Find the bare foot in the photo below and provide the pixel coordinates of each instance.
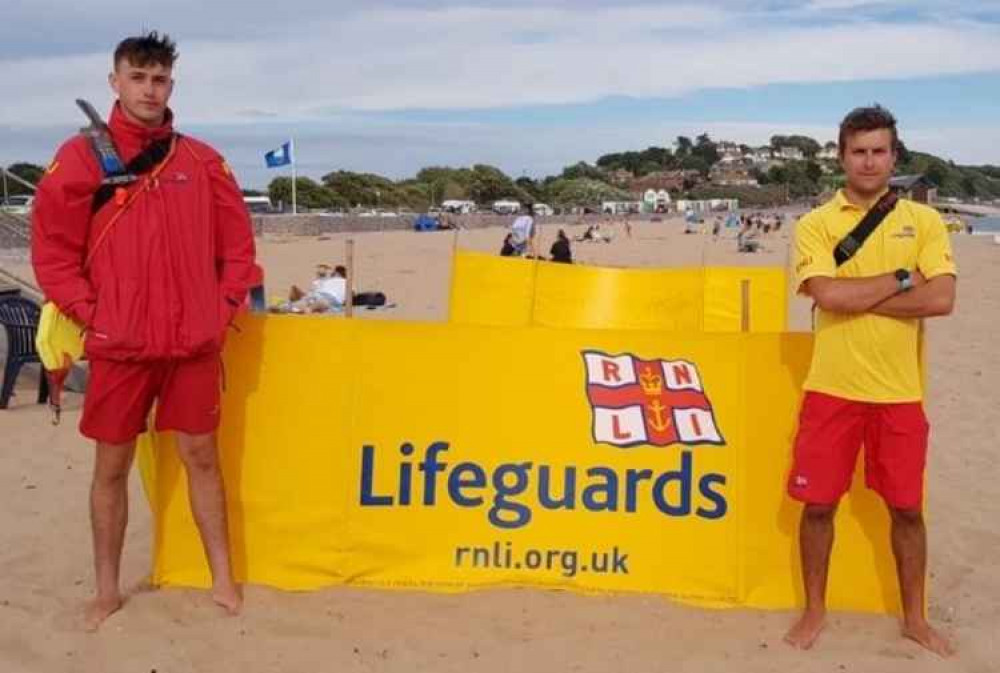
(805, 631)
(99, 609)
(230, 598)
(925, 635)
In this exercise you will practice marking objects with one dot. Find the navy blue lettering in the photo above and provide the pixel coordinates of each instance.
(632, 479)
(619, 563)
(607, 490)
(683, 479)
(719, 500)
(457, 482)
(430, 467)
(368, 479)
(568, 500)
(522, 513)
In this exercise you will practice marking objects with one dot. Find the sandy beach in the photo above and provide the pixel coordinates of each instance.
(45, 572)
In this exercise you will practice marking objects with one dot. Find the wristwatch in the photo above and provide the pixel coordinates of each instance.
(904, 280)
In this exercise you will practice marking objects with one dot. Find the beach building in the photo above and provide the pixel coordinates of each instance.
(828, 153)
(790, 153)
(708, 205)
(731, 175)
(762, 155)
(626, 207)
(917, 188)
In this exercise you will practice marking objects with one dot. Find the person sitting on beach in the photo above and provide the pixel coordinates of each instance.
(560, 249)
(328, 292)
(507, 249)
(447, 222)
(746, 240)
(595, 234)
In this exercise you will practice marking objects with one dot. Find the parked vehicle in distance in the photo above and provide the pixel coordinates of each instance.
(18, 204)
(259, 204)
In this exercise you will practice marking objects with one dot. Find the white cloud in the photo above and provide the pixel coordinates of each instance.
(267, 68)
(476, 57)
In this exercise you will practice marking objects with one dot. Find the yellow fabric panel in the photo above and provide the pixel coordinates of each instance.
(724, 299)
(448, 457)
(862, 573)
(591, 297)
(491, 290)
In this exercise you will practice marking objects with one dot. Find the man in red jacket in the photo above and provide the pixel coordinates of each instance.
(154, 272)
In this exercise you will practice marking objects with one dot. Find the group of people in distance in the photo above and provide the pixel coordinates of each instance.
(864, 385)
(521, 237)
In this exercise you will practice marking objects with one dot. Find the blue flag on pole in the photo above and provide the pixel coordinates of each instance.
(279, 157)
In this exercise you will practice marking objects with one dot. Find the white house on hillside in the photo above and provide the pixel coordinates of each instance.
(762, 155)
(791, 153)
(828, 153)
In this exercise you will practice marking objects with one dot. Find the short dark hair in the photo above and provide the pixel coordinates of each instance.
(143, 50)
(867, 119)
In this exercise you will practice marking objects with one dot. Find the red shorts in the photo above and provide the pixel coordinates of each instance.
(832, 430)
(120, 396)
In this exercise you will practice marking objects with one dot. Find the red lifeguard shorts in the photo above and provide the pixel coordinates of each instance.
(832, 430)
(120, 396)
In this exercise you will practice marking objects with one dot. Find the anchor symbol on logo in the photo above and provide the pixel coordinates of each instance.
(652, 386)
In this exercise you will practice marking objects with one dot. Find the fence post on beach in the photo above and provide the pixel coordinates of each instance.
(349, 290)
(744, 305)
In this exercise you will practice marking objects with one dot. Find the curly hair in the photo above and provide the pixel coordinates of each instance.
(143, 50)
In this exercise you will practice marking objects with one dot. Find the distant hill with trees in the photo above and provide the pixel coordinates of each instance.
(703, 161)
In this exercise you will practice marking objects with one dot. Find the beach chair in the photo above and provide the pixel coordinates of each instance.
(19, 317)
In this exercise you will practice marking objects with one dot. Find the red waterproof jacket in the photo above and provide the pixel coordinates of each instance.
(169, 276)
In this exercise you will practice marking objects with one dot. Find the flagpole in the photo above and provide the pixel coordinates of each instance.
(291, 147)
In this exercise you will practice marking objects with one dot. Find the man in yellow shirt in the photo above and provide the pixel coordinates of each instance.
(864, 386)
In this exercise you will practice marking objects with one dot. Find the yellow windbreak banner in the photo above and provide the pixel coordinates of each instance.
(588, 297)
(491, 290)
(767, 296)
(449, 457)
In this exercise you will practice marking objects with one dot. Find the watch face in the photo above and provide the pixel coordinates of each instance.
(902, 274)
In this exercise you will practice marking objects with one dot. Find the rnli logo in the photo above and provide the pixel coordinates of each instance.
(906, 231)
(656, 402)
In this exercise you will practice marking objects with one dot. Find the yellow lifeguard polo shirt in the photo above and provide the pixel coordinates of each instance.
(867, 357)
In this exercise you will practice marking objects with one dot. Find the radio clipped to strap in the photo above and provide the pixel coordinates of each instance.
(117, 174)
(114, 169)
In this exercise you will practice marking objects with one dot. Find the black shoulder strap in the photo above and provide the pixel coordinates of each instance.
(851, 243)
(142, 163)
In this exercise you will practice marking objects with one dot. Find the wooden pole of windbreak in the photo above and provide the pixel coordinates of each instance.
(349, 290)
(744, 305)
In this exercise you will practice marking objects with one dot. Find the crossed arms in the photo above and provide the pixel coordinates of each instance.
(880, 295)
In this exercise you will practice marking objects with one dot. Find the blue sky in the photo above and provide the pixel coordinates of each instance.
(390, 86)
